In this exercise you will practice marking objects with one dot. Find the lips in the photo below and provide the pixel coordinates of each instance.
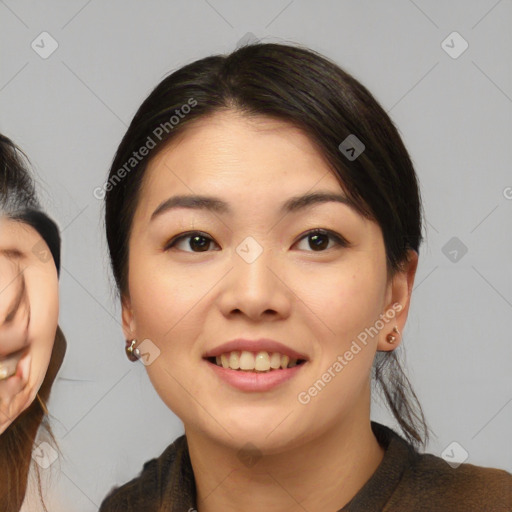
(249, 381)
(262, 344)
(9, 364)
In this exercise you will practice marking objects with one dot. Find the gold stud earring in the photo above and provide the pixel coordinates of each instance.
(132, 352)
(390, 338)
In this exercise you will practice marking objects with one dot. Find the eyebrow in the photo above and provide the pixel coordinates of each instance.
(11, 253)
(217, 205)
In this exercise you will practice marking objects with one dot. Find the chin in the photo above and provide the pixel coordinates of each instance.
(242, 437)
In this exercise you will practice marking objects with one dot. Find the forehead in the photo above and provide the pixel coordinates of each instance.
(21, 242)
(260, 155)
(16, 235)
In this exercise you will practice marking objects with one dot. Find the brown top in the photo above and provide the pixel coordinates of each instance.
(405, 481)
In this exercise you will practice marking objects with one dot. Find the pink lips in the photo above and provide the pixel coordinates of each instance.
(262, 344)
(23, 369)
(255, 381)
(18, 363)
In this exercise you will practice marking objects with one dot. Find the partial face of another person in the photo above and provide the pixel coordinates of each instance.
(194, 282)
(29, 310)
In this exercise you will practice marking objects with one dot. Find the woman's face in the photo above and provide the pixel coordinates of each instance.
(253, 272)
(29, 309)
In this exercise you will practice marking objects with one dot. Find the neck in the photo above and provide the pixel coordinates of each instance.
(324, 473)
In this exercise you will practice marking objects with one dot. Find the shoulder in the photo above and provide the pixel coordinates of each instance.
(433, 482)
(146, 491)
(410, 480)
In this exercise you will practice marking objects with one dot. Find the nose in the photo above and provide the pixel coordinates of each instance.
(256, 288)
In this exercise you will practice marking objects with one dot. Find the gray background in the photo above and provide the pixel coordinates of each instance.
(69, 111)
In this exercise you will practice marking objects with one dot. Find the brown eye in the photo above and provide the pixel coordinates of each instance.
(197, 242)
(319, 239)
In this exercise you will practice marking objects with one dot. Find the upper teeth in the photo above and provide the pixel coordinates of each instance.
(261, 361)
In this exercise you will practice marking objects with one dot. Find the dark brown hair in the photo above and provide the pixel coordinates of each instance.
(18, 201)
(304, 88)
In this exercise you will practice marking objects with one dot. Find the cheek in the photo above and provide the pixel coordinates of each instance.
(43, 294)
(344, 298)
(163, 296)
(168, 305)
(156, 305)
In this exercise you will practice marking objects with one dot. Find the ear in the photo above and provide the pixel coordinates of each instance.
(398, 301)
(129, 327)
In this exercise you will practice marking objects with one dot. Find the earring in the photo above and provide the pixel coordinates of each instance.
(390, 338)
(132, 352)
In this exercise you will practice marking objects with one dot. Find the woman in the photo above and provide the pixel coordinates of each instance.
(263, 219)
(32, 345)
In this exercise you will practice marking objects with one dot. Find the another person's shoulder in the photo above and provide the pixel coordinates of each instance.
(147, 491)
(434, 484)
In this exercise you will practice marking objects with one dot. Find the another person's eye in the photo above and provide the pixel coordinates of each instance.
(197, 240)
(319, 239)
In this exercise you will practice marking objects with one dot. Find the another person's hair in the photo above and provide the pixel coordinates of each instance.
(18, 202)
(299, 86)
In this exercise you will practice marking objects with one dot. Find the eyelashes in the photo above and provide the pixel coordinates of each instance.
(338, 240)
(190, 234)
(317, 235)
